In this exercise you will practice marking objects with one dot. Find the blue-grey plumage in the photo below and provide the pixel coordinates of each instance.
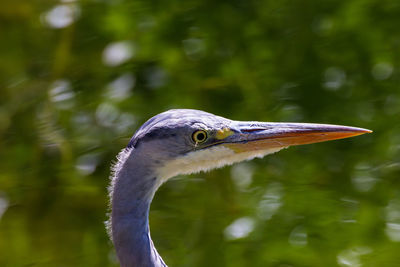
(185, 141)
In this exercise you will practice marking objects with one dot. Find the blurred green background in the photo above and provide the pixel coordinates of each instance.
(78, 77)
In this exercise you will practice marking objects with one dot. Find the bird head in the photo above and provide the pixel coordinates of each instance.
(186, 141)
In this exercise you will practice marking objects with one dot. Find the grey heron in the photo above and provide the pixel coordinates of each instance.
(184, 141)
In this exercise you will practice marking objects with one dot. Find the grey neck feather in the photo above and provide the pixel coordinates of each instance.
(132, 191)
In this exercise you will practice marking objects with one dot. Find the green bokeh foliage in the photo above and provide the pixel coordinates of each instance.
(336, 204)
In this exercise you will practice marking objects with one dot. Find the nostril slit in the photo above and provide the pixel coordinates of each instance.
(252, 130)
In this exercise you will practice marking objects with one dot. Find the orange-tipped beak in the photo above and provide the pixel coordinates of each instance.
(251, 136)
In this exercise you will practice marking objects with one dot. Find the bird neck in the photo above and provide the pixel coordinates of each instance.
(133, 189)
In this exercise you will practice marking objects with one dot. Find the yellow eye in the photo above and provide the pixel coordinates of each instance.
(199, 136)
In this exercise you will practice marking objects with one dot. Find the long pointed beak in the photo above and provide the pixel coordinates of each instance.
(252, 136)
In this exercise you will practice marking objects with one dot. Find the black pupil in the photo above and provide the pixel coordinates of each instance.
(201, 136)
